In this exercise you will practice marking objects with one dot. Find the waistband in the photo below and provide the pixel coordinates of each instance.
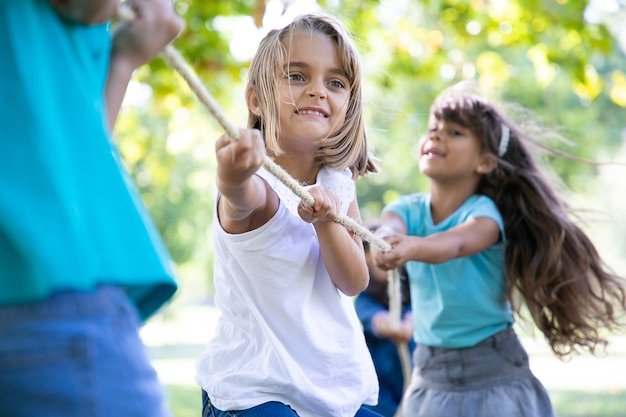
(102, 300)
(492, 341)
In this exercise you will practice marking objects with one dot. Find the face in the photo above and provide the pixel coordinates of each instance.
(450, 151)
(314, 93)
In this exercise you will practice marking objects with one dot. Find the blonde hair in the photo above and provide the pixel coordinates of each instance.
(348, 148)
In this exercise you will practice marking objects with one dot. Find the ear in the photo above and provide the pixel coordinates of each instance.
(252, 100)
(487, 164)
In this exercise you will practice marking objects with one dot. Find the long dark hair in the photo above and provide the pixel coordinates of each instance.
(550, 262)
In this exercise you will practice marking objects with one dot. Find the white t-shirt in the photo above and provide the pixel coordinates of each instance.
(286, 333)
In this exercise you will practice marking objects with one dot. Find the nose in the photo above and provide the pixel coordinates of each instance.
(434, 132)
(317, 88)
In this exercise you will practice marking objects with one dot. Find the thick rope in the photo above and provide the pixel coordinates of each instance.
(394, 291)
(177, 62)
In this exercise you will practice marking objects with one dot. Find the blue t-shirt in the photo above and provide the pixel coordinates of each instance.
(460, 302)
(70, 216)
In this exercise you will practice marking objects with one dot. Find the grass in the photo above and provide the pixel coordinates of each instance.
(589, 404)
(185, 401)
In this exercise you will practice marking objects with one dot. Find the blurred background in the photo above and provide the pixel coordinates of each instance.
(560, 63)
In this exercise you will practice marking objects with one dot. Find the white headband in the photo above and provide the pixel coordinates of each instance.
(504, 140)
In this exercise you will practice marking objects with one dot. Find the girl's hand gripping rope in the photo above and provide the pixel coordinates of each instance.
(154, 25)
(325, 207)
(239, 159)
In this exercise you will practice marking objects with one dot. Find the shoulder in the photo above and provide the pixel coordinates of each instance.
(331, 175)
(414, 201)
(482, 206)
(339, 182)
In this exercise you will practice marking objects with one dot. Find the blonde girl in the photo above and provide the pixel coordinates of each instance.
(288, 342)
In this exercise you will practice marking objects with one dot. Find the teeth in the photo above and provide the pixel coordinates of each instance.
(313, 112)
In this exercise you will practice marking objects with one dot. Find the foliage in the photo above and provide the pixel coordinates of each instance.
(541, 54)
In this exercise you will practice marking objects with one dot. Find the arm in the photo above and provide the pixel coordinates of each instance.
(366, 307)
(342, 250)
(135, 43)
(467, 239)
(87, 12)
(382, 328)
(376, 321)
(245, 201)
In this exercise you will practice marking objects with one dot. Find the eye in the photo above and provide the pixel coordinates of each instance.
(295, 76)
(336, 84)
(455, 130)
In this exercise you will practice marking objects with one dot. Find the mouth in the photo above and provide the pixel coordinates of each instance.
(312, 112)
(433, 153)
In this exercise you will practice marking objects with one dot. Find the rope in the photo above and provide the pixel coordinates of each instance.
(394, 290)
(175, 60)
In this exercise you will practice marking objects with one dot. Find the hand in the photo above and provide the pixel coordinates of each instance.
(87, 12)
(401, 248)
(238, 160)
(381, 325)
(155, 25)
(326, 206)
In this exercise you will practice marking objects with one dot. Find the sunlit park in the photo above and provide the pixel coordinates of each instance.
(561, 63)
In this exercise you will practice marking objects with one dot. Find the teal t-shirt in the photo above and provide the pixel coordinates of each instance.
(460, 302)
(70, 216)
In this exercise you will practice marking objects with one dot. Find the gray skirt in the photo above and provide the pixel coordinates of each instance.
(490, 379)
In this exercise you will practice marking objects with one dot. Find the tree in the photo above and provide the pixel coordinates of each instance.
(542, 54)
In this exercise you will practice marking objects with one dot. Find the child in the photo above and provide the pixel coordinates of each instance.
(383, 340)
(80, 260)
(490, 230)
(288, 341)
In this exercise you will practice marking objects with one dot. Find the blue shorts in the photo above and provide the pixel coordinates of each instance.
(76, 355)
(268, 409)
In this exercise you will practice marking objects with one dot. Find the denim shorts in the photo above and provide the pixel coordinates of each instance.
(490, 379)
(268, 409)
(76, 355)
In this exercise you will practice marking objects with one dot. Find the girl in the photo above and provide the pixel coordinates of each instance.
(288, 341)
(490, 229)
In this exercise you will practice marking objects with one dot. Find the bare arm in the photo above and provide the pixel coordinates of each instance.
(134, 43)
(87, 12)
(466, 239)
(382, 327)
(342, 250)
(245, 201)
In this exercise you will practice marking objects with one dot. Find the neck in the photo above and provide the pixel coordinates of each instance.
(445, 198)
(304, 169)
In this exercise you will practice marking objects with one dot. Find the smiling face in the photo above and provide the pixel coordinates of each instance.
(451, 152)
(313, 92)
(310, 69)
